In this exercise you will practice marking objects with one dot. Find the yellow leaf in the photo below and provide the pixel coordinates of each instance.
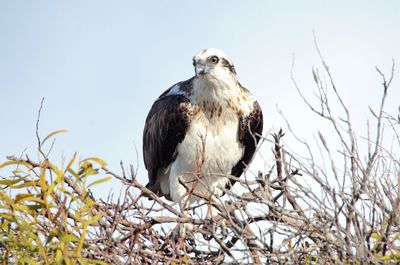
(21, 207)
(81, 240)
(59, 179)
(7, 216)
(25, 184)
(27, 197)
(42, 179)
(93, 220)
(100, 181)
(22, 196)
(69, 238)
(53, 233)
(26, 260)
(73, 173)
(99, 262)
(54, 168)
(52, 134)
(8, 163)
(70, 163)
(9, 182)
(98, 160)
(58, 258)
(4, 197)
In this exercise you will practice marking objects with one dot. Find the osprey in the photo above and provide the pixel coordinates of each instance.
(201, 131)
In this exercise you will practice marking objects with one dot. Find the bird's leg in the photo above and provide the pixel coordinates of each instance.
(211, 210)
(183, 230)
(186, 227)
(185, 203)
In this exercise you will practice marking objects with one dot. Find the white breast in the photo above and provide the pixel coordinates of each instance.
(210, 148)
(209, 151)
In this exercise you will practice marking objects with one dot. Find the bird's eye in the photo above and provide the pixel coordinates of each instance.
(214, 59)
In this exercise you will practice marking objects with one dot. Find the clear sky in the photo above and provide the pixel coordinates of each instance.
(101, 64)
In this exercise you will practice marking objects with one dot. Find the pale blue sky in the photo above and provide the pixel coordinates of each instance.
(101, 64)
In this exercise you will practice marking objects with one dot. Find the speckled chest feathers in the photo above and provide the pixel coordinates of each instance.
(210, 148)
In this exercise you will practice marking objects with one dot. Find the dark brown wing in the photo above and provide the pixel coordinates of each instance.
(250, 131)
(166, 126)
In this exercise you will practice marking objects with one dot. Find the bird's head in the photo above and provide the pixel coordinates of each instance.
(213, 64)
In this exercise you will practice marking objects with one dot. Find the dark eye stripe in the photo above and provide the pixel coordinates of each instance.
(225, 63)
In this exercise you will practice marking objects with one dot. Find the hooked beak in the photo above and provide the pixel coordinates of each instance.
(201, 70)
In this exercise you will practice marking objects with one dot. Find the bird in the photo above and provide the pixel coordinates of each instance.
(201, 131)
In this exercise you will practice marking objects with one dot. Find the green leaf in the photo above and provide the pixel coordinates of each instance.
(376, 236)
(100, 181)
(386, 258)
(35, 207)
